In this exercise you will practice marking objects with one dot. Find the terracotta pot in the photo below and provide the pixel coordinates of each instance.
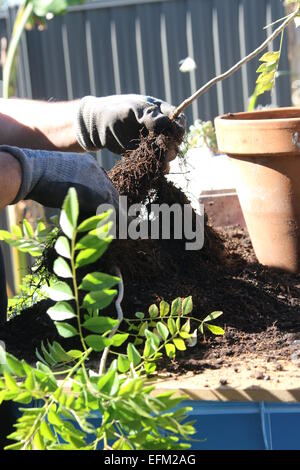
(264, 153)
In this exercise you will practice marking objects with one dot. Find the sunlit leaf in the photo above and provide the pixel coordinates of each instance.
(62, 247)
(61, 311)
(59, 291)
(69, 213)
(98, 281)
(61, 268)
(65, 330)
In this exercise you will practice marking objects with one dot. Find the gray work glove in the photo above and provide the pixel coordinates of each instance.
(116, 122)
(47, 176)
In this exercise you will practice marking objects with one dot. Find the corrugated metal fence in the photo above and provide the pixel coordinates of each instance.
(134, 46)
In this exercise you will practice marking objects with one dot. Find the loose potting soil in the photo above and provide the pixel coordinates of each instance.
(261, 306)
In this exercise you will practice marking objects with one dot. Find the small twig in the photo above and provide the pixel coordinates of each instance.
(236, 67)
(120, 319)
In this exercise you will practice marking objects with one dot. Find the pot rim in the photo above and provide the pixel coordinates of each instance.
(282, 117)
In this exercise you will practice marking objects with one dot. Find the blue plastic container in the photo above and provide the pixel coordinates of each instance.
(234, 425)
(246, 425)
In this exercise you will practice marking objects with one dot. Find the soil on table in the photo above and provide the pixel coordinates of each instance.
(261, 306)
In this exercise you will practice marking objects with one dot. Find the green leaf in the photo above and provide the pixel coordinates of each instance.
(75, 353)
(92, 222)
(150, 368)
(186, 327)
(27, 229)
(62, 247)
(24, 398)
(176, 307)
(133, 354)
(123, 363)
(187, 305)
(215, 330)
(38, 441)
(62, 268)
(97, 281)
(65, 330)
(142, 328)
(55, 419)
(109, 384)
(265, 78)
(58, 352)
(184, 335)
(15, 365)
(139, 315)
(92, 239)
(69, 213)
(164, 308)
(172, 326)
(46, 432)
(42, 7)
(150, 348)
(91, 255)
(153, 337)
(61, 311)
(17, 231)
(180, 344)
(153, 311)
(162, 330)
(105, 379)
(99, 299)
(122, 444)
(263, 87)
(5, 235)
(270, 56)
(265, 67)
(10, 382)
(59, 291)
(170, 350)
(119, 338)
(98, 343)
(212, 316)
(100, 324)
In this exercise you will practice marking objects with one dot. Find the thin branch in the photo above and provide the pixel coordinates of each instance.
(236, 67)
(120, 319)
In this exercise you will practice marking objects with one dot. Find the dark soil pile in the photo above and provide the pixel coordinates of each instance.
(261, 306)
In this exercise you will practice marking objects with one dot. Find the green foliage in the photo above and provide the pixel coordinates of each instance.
(68, 391)
(48, 8)
(267, 74)
(31, 292)
(29, 240)
(200, 134)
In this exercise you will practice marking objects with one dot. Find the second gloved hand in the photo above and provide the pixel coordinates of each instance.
(115, 122)
(47, 176)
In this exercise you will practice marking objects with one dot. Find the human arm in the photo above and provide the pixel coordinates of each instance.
(45, 177)
(113, 122)
(39, 124)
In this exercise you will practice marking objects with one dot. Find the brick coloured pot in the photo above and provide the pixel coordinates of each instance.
(264, 151)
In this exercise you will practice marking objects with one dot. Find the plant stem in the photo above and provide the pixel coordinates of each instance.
(51, 401)
(75, 289)
(115, 329)
(23, 16)
(236, 67)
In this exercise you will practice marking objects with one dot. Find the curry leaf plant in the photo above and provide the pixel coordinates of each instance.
(267, 74)
(29, 240)
(68, 402)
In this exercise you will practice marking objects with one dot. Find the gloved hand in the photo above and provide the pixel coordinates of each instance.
(115, 122)
(47, 176)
